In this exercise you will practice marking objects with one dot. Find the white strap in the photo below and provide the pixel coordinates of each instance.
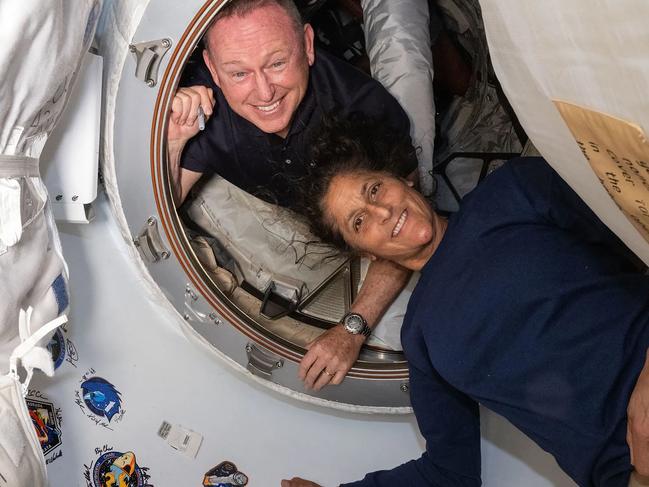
(25, 347)
(18, 166)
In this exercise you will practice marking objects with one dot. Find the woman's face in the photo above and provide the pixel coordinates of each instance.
(383, 216)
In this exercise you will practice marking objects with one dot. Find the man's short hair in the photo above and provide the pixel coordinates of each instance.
(242, 8)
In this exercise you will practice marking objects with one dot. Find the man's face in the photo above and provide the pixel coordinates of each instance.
(383, 216)
(262, 65)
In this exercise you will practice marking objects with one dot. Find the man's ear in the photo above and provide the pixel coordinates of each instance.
(308, 44)
(208, 62)
(367, 255)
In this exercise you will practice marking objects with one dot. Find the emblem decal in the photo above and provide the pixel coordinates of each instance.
(47, 421)
(62, 348)
(225, 474)
(99, 400)
(115, 469)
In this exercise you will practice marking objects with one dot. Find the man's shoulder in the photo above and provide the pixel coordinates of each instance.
(340, 80)
(196, 73)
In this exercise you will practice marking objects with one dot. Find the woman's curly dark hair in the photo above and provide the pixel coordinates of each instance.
(344, 145)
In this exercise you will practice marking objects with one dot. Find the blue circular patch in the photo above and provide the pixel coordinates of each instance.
(117, 469)
(57, 348)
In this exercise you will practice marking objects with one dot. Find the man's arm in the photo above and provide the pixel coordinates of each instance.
(637, 435)
(182, 179)
(183, 125)
(334, 352)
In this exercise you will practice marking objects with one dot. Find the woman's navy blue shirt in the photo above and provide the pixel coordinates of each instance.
(531, 307)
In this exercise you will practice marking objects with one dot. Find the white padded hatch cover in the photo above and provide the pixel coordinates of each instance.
(593, 55)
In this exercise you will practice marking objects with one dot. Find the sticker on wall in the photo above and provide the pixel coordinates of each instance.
(62, 348)
(181, 439)
(47, 420)
(99, 400)
(225, 474)
(114, 468)
(618, 152)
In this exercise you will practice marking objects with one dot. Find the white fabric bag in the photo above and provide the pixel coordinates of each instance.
(21, 459)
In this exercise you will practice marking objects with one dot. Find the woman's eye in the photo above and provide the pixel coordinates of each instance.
(373, 190)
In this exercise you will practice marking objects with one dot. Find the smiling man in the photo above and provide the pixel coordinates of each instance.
(264, 90)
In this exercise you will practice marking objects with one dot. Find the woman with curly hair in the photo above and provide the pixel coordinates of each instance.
(526, 304)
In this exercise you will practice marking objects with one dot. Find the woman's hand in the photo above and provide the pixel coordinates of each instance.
(637, 433)
(298, 482)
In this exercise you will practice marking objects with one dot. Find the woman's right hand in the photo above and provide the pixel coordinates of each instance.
(298, 482)
(637, 435)
(183, 118)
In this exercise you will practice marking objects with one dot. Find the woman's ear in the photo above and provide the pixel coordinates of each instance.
(407, 181)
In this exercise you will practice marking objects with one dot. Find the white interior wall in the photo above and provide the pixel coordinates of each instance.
(133, 343)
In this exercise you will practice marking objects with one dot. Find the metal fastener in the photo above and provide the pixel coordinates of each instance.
(248, 348)
(166, 43)
(59, 197)
(279, 364)
(150, 83)
(75, 198)
(190, 292)
(404, 387)
(164, 255)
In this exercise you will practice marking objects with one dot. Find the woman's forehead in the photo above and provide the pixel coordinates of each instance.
(348, 190)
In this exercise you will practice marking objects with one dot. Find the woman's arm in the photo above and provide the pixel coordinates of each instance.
(450, 423)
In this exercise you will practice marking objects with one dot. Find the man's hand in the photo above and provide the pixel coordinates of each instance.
(329, 358)
(298, 482)
(183, 125)
(183, 118)
(333, 353)
(637, 435)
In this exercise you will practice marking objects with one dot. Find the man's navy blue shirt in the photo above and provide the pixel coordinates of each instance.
(531, 307)
(267, 165)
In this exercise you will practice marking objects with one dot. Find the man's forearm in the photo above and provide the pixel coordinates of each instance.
(383, 283)
(174, 151)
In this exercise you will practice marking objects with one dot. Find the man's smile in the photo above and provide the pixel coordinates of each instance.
(269, 108)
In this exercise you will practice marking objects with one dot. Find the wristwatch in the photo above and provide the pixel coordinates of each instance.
(356, 324)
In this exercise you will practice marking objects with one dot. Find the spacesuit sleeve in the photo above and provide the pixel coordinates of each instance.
(450, 423)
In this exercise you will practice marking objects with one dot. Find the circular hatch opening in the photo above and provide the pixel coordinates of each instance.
(254, 263)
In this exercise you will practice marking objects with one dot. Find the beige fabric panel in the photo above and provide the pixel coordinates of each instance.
(591, 53)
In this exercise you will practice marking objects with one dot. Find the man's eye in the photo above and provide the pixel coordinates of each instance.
(278, 64)
(358, 221)
(239, 75)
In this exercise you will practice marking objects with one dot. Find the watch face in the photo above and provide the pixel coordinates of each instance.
(354, 323)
